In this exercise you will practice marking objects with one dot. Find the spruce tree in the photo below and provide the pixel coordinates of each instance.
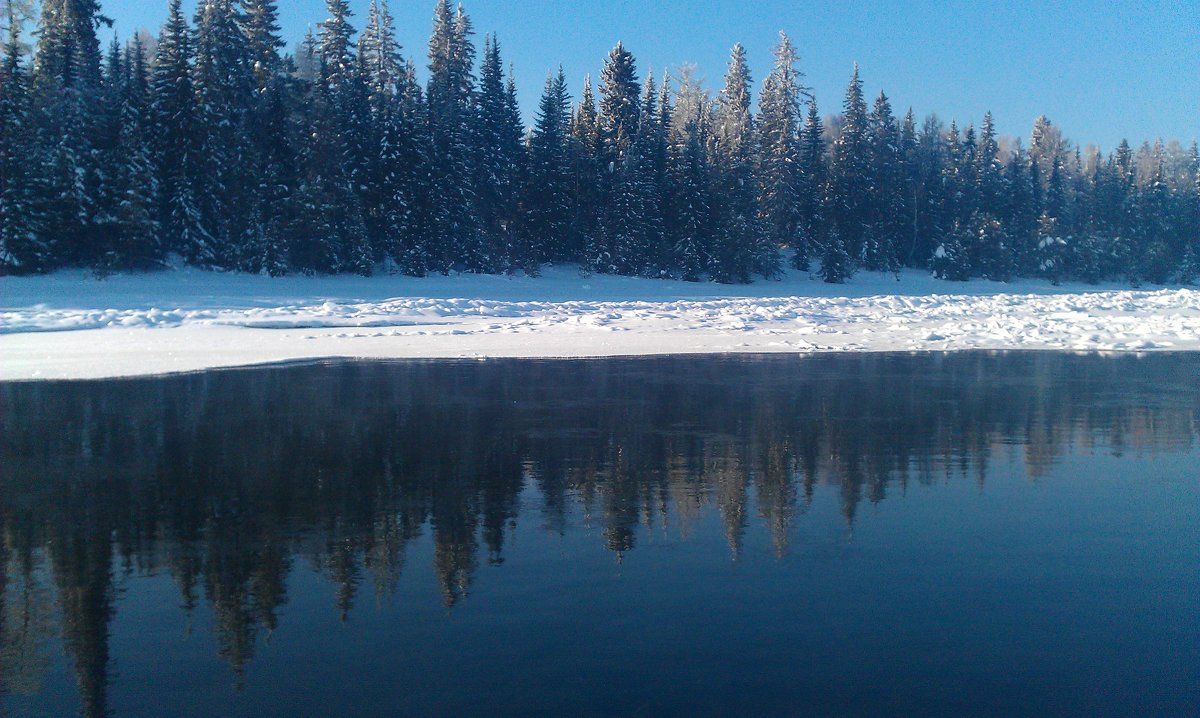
(308, 64)
(547, 196)
(646, 167)
(632, 223)
(743, 245)
(499, 167)
(952, 258)
(260, 25)
(1190, 269)
(1020, 211)
(224, 84)
(138, 244)
(1045, 145)
(21, 247)
(837, 265)
(176, 154)
(308, 232)
(1052, 242)
(837, 260)
(587, 238)
(271, 138)
(692, 200)
(814, 181)
(454, 221)
(336, 132)
(133, 241)
(1152, 259)
(620, 108)
(910, 190)
(989, 171)
(68, 50)
(851, 181)
(276, 138)
(417, 251)
(619, 188)
(1092, 256)
(67, 89)
(929, 216)
(779, 147)
(992, 255)
(886, 206)
(385, 186)
(100, 184)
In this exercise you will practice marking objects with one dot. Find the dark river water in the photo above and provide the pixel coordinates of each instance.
(881, 534)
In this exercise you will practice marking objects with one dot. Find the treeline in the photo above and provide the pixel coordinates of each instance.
(209, 144)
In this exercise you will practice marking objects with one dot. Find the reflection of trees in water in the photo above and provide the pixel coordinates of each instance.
(26, 625)
(225, 480)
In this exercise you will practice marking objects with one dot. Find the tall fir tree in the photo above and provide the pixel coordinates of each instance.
(989, 170)
(67, 89)
(587, 235)
(136, 243)
(743, 246)
(887, 205)
(692, 200)
(385, 185)
(68, 49)
(910, 191)
(648, 253)
(837, 260)
(620, 108)
(851, 181)
(1021, 210)
(992, 255)
(271, 137)
(618, 190)
(631, 220)
(1152, 257)
(176, 153)
(779, 177)
(1052, 241)
(454, 221)
(106, 128)
(260, 25)
(417, 253)
(336, 163)
(21, 246)
(224, 83)
(929, 218)
(810, 203)
(547, 195)
(499, 167)
(1190, 270)
(952, 258)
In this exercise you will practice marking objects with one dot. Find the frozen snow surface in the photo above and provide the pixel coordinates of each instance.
(71, 325)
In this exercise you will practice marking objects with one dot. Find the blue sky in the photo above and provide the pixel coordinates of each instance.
(1099, 70)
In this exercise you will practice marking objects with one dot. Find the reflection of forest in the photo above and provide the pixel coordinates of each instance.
(226, 479)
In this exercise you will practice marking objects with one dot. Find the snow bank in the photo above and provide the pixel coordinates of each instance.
(70, 325)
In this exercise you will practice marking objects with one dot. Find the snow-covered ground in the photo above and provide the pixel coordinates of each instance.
(72, 325)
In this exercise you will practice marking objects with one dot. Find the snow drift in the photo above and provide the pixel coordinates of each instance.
(69, 325)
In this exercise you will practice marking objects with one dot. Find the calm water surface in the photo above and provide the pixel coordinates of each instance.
(964, 534)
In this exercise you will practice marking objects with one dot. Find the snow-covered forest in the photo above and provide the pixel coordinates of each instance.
(210, 144)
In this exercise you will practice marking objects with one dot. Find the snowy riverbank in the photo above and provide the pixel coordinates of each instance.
(70, 325)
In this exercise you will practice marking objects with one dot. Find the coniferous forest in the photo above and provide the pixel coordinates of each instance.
(209, 144)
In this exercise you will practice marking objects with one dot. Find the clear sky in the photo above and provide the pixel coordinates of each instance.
(1099, 70)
